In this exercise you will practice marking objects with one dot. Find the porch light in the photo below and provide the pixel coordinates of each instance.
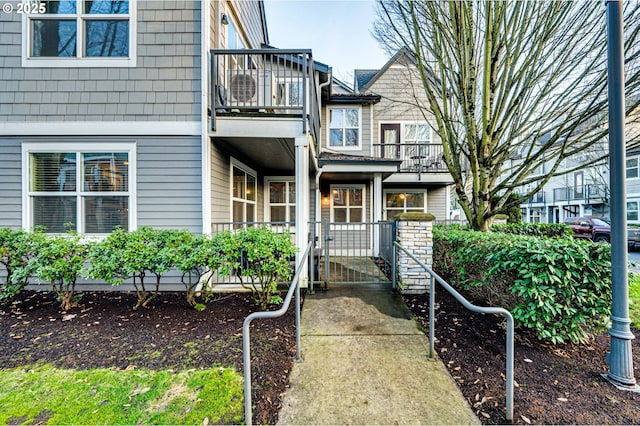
(224, 20)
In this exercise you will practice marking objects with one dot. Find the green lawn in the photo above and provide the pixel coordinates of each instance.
(46, 394)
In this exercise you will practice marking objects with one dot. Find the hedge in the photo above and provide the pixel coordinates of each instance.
(258, 256)
(558, 288)
(550, 230)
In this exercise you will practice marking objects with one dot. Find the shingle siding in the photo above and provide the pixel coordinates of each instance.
(167, 71)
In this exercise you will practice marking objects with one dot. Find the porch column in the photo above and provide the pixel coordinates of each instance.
(377, 211)
(302, 202)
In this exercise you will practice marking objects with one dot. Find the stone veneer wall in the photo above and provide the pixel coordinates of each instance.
(417, 238)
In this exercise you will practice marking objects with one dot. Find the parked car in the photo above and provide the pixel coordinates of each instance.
(633, 234)
(598, 229)
(592, 228)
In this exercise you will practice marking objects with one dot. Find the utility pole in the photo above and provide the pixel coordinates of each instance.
(619, 358)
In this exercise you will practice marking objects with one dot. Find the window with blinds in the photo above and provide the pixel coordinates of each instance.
(87, 192)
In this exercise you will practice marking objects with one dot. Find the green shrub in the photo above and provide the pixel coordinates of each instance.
(16, 248)
(195, 256)
(259, 257)
(559, 288)
(550, 230)
(59, 260)
(136, 254)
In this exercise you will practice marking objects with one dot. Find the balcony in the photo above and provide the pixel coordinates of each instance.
(416, 158)
(265, 83)
(587, 193)
(538, 197)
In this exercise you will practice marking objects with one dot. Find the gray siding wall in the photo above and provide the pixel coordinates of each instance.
(249, 17)
(221, 186)
(10, 183)
(437, 202)
(170, 183)
(400, 89)
(633, 187)
(164, 86)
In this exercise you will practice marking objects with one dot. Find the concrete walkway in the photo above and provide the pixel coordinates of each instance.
(365, 362)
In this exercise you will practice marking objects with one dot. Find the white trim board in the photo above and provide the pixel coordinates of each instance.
(96, 128)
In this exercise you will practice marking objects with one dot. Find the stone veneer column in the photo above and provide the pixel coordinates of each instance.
(417, 238)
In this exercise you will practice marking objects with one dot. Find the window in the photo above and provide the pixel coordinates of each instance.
(632, 211)
(289, 93)
(88, 191)
(417, 138)
(344, 128)
(243, 189)
(397, 202)
(234, 39)
(535, 215)
(282, 201)
(80, 33)
(347, 204)
(632, 168)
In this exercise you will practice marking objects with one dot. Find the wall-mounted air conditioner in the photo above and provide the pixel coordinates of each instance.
(251, 88)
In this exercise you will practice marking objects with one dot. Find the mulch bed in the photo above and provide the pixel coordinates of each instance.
(559, 384)
(105, 332)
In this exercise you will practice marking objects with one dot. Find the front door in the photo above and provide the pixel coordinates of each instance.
(390, 140)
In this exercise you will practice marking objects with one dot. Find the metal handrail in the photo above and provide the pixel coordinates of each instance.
(473, 308)
(294, 287)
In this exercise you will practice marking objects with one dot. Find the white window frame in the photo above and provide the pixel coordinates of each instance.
(81, 147)
(404, 147)
(249, 171)
(404, 208)
(363, 187)
(637, 168)
(267, 197)
(328, 136)
(80, 61)
(287, 82)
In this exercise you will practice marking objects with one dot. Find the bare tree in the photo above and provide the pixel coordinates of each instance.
(509, 79)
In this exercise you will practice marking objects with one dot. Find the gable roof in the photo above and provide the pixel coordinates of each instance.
(362, 77)
(403, 53)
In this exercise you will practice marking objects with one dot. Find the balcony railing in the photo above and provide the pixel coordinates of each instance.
(579, 193)
(265, 81)
(538, 197)
(416, 157)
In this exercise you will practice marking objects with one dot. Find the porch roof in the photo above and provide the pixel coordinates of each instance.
(337, 162)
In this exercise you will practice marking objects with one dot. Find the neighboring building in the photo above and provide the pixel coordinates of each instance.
(178, 114)
(585, 190)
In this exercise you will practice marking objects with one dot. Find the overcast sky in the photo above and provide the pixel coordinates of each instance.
(338, 31)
